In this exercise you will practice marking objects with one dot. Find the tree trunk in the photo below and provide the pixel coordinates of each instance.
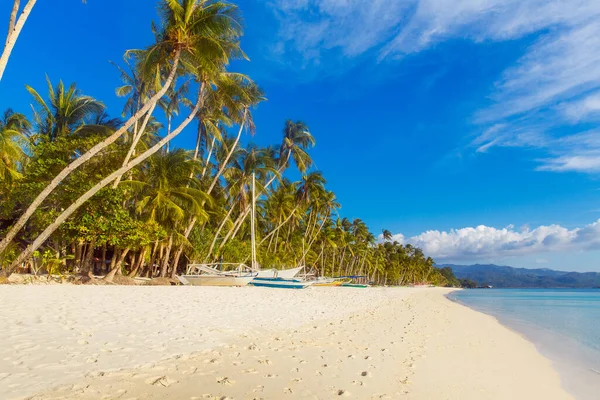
(212, 245)
(88, 258)
(152, 260)
(114, 270)
(138, 265)
(113, 260)
(137, 135)
(82, 159)
(77, 257)
(104, 182)
(176, 260)
(14, 30)
(165, 263)
(280, 225)
(210, 150)
(103, 267)
(224, 164)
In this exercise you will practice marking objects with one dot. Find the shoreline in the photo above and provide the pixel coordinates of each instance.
(574, 361)
(375, 343)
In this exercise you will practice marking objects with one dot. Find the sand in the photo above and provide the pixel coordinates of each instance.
(83, 342)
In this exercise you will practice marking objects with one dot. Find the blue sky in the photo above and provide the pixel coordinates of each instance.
(469, 128)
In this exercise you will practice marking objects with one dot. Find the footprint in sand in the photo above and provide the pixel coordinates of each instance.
(365, 373)
(258, 389)
(225, 381)
(271, 376)
(160, 381)
(358, 383)
(342, 392)
(287, 391)
(250, 371)
(266, 362)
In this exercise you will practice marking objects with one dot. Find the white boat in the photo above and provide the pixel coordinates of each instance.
(280, 283)
(279, 273)
(208, 275)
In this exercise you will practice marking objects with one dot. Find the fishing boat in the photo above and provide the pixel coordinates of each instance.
(221, 274)
(280, 283)
(355, 281)
(279, 273)
(327, 282)
(209, 275)
(355, 285)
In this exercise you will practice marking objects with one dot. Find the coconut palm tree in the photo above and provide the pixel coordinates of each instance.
(203, 35)
(67, 111)
(13, 140)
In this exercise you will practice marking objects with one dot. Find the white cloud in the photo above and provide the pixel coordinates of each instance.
(555, 83)
(587, 107)
(484, 242)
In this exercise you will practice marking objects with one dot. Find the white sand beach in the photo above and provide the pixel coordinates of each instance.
(118, 342)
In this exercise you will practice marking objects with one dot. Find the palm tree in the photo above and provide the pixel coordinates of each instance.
(66, 112)
(15, 25)
(12, 142)
(204, 36)
(296, 140)
(386, 235)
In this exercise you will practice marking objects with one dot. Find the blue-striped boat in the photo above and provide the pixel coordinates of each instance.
(281, 283)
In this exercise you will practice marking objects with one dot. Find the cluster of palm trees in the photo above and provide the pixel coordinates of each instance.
(83, 192)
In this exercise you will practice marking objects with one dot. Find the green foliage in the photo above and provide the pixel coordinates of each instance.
(181, 206)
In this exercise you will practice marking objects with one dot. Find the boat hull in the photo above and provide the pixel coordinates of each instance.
(354, 285)
(280, 283)
(279, 273)
(209, 280)
(328, 284)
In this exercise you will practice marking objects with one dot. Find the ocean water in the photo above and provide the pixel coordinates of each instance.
(564, 324)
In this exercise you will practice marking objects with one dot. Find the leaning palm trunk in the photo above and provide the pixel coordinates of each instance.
(103, 183)
(139, 263)
(110, 276)
(137, 135)
(14, 30)
(165, 263)
(224, 164)
(280, 225)
(238, 223)
(221, 169)
(221, 226)
(87, 156)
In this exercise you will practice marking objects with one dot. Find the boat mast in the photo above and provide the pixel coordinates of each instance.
(252, 223)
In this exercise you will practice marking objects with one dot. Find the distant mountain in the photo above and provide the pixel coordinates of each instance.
(509, 277)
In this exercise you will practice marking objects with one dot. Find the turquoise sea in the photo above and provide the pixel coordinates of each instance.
(564, 324)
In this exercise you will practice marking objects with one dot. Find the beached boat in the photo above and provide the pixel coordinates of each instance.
(355, 285)
(222, 274)
(327, 282)
(279, 273)
(354, 281)
(208, 275)
(280, 283)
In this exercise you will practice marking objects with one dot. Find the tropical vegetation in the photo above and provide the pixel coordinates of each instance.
(85, 192)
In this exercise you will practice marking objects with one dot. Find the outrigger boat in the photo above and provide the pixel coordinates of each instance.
(353, 281)
(279, 273)
(280, 283)
(208, 275)
(327, 282)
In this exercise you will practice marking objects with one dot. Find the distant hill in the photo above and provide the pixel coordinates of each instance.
(509, 277)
